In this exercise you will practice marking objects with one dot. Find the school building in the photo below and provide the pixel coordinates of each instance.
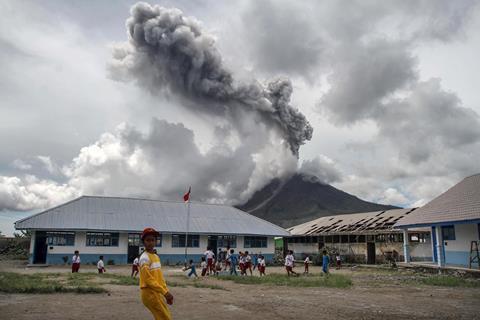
(368, 237)
(454, 221)
(111, 226)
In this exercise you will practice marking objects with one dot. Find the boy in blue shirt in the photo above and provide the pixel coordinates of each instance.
(192, 269)
(325, 262)
(233, 262)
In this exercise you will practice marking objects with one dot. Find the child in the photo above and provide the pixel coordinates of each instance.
(204, 267)
(255, 261)
(325, 262)
(261, 265)
(154, 291)
(227, 259)
(233, 262)
(192, 269)
(76, 262)
(248, 263)
(100, 265)
(289, 263)
(241, 263)
(209, 255)
(135, 268)
(306, 263)
(339, 261)
(218, 267)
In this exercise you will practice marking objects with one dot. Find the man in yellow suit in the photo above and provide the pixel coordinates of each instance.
(154, 291)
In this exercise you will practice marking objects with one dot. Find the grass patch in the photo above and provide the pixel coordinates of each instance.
(11, 282)
(329, 281)
(197, 284)
(124, 281)
(450, 281)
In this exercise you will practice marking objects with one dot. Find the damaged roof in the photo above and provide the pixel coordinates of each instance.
(129, 214)
(355, 223)
(460, 203)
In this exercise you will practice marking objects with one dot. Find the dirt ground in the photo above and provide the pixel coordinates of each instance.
(374, 295)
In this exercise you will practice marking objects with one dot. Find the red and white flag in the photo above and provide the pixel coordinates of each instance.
(186, 196)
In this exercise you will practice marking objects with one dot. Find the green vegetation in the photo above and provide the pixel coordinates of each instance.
(11, 282)
(329, 281)
(450, 281)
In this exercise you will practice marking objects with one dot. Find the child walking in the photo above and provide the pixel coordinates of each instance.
(154, 291)
(306, 263)
(289, 263)
(204, 267)
(248, 263)
(261, 265)
(76, 262)
(209, 255)
(135, 268)
(192, 269)
(100, 265)
(339, 261)
(325, 262)
(233, 262)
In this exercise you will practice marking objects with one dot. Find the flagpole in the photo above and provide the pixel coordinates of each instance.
(187, 229)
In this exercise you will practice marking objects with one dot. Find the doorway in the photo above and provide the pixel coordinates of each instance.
(212, 243)
(40, 249)
(370, 252)
(133, 246)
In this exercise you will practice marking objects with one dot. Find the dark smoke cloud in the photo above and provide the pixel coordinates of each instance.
(169, 52)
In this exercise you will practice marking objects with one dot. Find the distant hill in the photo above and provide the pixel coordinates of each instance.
(302, 198)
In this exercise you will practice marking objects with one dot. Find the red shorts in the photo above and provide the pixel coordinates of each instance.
(242, 266)
(101, 270)
(210, 262)
(248, 265)
(134, 268)
(261, 268)
(290, 269)
(227, 263)
(75, 267)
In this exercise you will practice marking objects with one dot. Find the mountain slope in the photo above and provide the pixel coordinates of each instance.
(303, 198)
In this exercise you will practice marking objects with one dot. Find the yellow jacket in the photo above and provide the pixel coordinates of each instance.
(151, 275)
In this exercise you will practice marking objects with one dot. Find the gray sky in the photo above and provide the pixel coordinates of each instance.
(389, 88)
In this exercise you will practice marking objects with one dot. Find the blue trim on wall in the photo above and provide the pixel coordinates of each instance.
(458, 258)
(434, 238)
(87, 258)
(166, 259)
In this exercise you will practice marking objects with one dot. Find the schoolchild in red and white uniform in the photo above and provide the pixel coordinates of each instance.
(76, 262)
(135, 267)
(101, 265)
(261, 265)
(209, 255)
(248, 263)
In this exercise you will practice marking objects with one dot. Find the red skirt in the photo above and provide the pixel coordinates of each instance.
(134, 268)
(75, 267)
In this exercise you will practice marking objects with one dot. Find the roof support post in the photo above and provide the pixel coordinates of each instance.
(440, 255)
(406, 246)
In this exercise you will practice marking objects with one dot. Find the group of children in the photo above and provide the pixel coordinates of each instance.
(227, 261)
(76, 263)
(290, 263)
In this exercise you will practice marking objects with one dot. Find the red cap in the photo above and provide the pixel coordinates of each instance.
(149, 231)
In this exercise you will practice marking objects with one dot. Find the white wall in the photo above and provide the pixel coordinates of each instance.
(464, 234)
(166, 248)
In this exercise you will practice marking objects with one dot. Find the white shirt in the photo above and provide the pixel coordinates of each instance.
(248, 258)
(338, 258)
(209, 254)
(100, 264)
(261, 262)
(76, 259)
(307, 260)
(289, 260)
(135, 262)
(203, 265)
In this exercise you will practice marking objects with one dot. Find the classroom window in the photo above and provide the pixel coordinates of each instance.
(133, 239)
(61, 238)
(314, 239)
(380, 238)
(361, 238)
(178, 241)
(255, 242)
(352, 238)
(227, 241)
(335, 238)
(290, 240)
(370, 238)
(344, 238)
(448, 232)
(419, 237)
(328, 239)
(102, 239)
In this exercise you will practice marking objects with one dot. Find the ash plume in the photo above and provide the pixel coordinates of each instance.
(169, 52)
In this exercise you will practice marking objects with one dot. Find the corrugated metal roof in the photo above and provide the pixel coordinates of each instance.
(354, 223)
(128, 214)
(459, 203)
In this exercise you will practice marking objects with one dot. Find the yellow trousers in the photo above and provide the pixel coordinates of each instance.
(156, 303)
